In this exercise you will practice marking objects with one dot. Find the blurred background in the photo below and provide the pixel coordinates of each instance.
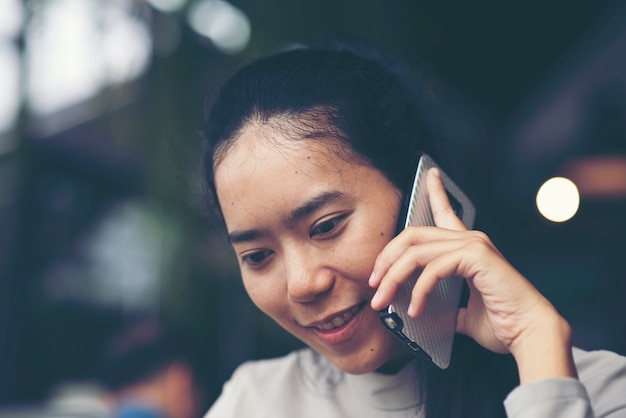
(102, 217)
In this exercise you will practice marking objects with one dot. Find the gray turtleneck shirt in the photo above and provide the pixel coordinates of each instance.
(304, 384)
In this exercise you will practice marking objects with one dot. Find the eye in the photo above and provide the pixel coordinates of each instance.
(326, 227)
(257, 258)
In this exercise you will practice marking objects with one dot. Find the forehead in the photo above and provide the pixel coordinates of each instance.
(266, 149)
(289, 130)
(260, 171)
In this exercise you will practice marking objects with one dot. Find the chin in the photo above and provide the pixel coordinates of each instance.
(367, 362)
(386, 359)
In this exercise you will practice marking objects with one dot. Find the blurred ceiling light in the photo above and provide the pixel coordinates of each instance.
(227, 27)
(126, 46)
(62, 54)
(600, 176)
(167, 6)
(11, 18)
(10, 88)
(76, 47)
(558, 199)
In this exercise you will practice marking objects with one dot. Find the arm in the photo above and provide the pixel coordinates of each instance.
(560, 397)
(600, 390)
(505, 313)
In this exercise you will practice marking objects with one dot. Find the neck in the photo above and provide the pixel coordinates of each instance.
(400, 358)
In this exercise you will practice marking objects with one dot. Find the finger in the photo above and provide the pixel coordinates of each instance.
(404, 267)
(395, 276)
(411, 236)
(461, 327)
(385, 292)
(443, 213)
(440, 268)
(388, 256)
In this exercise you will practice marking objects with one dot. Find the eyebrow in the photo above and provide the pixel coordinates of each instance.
(243, 236)
(312, 205)
(294, 216)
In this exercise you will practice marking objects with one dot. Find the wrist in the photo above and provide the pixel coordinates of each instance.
(544, 350)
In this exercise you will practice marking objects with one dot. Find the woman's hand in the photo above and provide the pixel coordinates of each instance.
(505, 313)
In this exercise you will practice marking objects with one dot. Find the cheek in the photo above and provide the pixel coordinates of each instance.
(363, 247)
(268, 295)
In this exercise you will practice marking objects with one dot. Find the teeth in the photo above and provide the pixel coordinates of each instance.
(339, 320)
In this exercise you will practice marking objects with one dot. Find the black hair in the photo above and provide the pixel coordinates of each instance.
(326, 92)
(380, 113)
(474, 385)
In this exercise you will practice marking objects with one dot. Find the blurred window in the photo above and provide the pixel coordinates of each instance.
(77, 48)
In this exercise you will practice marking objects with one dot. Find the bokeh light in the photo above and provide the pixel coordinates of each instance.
(11, 18)
(75, 48)
(227, 27)
(9, 86)
(126, 47)
(167, 5)
(11, 23)
(558, 199)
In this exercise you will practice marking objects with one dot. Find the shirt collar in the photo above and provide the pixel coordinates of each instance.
(388, 391)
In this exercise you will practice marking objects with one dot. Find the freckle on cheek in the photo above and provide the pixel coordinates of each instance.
(382, 234)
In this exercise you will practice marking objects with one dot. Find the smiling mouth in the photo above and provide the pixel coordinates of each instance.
(339, 320)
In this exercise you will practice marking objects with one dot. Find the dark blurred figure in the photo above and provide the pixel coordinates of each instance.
(153, 371)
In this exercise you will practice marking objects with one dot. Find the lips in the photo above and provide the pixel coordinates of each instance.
(339, 319)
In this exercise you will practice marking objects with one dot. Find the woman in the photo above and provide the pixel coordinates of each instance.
(307, 153)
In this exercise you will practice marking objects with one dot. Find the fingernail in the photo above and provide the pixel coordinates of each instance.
(373, 279)
(436, 171)
(411, 311)
(375, 299)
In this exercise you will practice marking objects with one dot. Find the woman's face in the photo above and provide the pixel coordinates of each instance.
(307, 226)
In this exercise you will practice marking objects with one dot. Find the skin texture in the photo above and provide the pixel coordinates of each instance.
(505, 313)
(307, 227)
(313, 233)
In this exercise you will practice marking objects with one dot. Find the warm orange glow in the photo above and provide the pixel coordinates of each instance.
(599, 177)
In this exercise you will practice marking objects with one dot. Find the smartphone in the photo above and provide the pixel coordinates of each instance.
(429, 336)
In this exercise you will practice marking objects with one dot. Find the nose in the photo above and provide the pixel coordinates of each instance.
(307, 276)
